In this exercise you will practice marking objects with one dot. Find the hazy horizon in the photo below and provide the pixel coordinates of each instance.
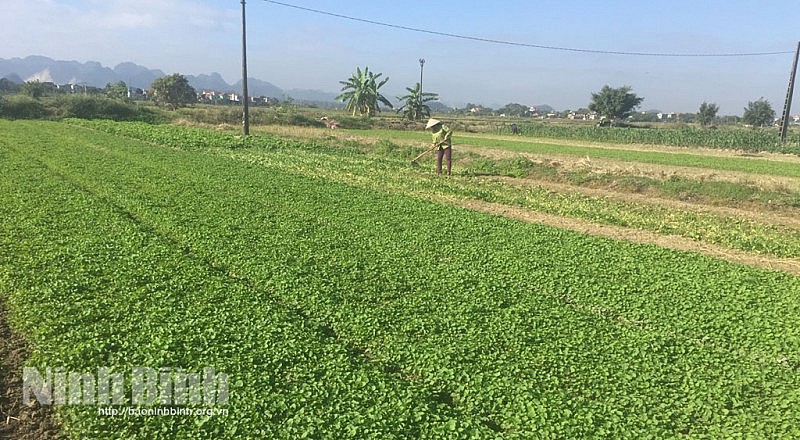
(296, 48)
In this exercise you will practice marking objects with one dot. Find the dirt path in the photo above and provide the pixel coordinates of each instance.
(655, 171)
(18, 421)
(633, 235)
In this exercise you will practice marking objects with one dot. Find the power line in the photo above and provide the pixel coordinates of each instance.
(535, 46)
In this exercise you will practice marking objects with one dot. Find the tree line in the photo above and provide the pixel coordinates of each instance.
(362, 96)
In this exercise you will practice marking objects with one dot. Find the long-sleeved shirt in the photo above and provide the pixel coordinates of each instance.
(443, 138)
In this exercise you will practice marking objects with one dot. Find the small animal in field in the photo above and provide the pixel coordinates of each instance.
(329, 122)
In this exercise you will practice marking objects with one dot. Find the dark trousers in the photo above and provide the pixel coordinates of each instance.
(446, 153)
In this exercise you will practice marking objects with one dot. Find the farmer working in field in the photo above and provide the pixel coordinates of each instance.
(442, 141)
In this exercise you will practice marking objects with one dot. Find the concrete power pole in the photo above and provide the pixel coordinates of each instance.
(245, 98)
(421, 64)
(787, 106)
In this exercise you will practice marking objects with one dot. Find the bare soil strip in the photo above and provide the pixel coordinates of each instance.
(633, 235)
(619, 167)
(19, 421)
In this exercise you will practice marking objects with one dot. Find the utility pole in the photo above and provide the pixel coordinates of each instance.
(421, 63)
(245, 98)
(787, 106)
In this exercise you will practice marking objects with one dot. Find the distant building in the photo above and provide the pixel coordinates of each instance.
(577, 116)
(136, 94)
(215, 97)
(211, 97)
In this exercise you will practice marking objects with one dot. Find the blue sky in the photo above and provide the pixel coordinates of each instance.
(294, 48)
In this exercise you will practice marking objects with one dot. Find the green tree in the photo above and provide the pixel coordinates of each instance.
(117, 90)
(614, 104)
(7, 86)
(361, 93)
(173, 90)
(707, 113)
(513, 109)
(644, 117)
(34, 89)
(759, 113)
(414, 108)
(477, 110)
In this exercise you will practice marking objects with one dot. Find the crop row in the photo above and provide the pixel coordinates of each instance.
(90, 286)
(525, 329)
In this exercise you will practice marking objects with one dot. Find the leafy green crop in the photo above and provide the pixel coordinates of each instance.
(350, 309)
(91, 285)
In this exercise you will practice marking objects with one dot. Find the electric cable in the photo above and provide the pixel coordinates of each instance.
(530, 45)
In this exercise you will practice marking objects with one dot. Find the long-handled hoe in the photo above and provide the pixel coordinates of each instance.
(414, 161)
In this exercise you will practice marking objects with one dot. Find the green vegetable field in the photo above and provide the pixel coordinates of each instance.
(343, 300)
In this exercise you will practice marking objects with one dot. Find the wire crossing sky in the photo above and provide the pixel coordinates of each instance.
(536, 46)
(676, 55)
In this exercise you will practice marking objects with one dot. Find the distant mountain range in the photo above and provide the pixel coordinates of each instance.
(95, 74)
(92, 73)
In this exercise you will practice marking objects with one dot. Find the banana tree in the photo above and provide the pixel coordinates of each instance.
(361, 94)
(414, 108)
